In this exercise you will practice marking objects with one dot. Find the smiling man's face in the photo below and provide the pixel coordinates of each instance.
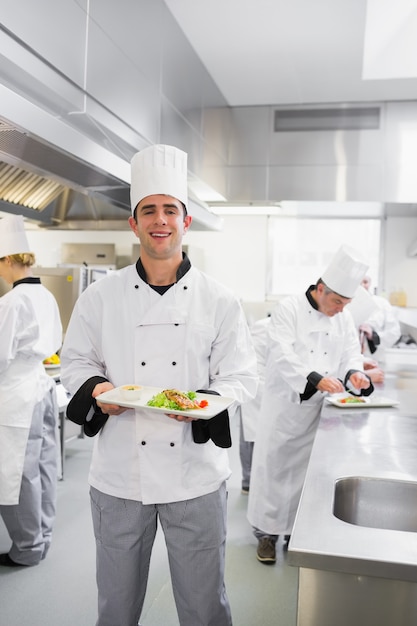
(160, 225)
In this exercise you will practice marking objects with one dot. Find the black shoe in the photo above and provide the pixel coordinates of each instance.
(6, 561)
(286, 541)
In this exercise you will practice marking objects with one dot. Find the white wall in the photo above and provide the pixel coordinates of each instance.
(401, 270)
(237, 256)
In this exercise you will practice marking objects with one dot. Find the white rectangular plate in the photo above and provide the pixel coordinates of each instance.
(216, 404)
(370, 402)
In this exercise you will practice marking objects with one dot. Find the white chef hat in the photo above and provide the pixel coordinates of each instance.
(13, 238)
(158, 169)
(345, 272)
(362, 306)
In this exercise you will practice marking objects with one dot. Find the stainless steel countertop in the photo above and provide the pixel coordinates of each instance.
(377, 442)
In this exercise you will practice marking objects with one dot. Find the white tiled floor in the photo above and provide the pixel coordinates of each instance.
(61, 590)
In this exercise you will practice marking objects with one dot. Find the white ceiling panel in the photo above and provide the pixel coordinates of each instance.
(279, 52)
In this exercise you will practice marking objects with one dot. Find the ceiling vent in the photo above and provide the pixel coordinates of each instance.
(337, 118)
(29, 190)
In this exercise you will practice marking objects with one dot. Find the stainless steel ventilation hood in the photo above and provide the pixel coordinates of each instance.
(54, 175)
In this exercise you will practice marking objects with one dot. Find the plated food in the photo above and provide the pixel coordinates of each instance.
(352, 400)
(355, 402)
(155, 400)
(177, 400)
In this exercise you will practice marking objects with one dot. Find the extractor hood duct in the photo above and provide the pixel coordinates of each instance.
(55, 175)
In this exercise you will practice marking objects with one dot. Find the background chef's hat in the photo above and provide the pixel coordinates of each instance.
(13, 238)
(362, 306)
(158, 169)
(345, 272)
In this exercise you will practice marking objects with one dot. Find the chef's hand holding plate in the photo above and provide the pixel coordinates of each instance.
(181, 418)
(110, 409)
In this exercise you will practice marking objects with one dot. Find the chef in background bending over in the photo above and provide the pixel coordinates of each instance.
(30, 331)
(160, 323)
(313, 350)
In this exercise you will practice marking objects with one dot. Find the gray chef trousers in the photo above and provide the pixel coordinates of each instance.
(245, 455)
(29, 523)
(195, 536)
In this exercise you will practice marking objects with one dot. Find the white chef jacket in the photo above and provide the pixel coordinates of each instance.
(301, 340)
(385, 323)
(250, 410)
(194, 336)
(30, 331)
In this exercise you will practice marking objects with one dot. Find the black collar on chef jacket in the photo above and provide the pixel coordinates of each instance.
(161, 289)
(32, 280)
(310, 297)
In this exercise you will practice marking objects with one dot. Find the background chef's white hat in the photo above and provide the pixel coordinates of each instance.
(345, 272)
(159, 169)
(362, 306)
(13, 238)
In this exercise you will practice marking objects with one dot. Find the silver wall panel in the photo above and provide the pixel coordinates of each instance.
(176, 131)
(118, 84)
(217, 129)
(251, 136)
(182, 77)
(325, 183)
(315, 165)
(23, 71)
(400, 152)
(213, 169)
(247, 184)
(55, 30)
(132, 27)
(343, 147)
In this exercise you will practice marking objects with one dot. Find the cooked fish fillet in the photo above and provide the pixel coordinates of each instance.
(181, 399)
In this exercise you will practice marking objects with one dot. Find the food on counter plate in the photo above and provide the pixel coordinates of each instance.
(177, 400)
(352, 400)
(52, 360)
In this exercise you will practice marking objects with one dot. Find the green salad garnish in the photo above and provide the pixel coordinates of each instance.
(160, 400)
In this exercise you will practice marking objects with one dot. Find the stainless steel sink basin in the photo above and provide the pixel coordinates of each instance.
(376, 503)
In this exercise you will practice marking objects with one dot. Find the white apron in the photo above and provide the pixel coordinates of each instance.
(20, 387)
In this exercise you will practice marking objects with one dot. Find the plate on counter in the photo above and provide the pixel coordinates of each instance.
(216, 404)
(367, 402)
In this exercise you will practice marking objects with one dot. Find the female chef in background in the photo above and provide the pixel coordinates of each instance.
(30, 331)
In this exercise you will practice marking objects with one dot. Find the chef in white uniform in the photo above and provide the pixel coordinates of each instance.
(30, 331)
(313, 350)
(160, 323)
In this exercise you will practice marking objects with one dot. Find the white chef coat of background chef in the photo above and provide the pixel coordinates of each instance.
(30, 331)
(367, 308)
(250, 410)
(300, 340)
